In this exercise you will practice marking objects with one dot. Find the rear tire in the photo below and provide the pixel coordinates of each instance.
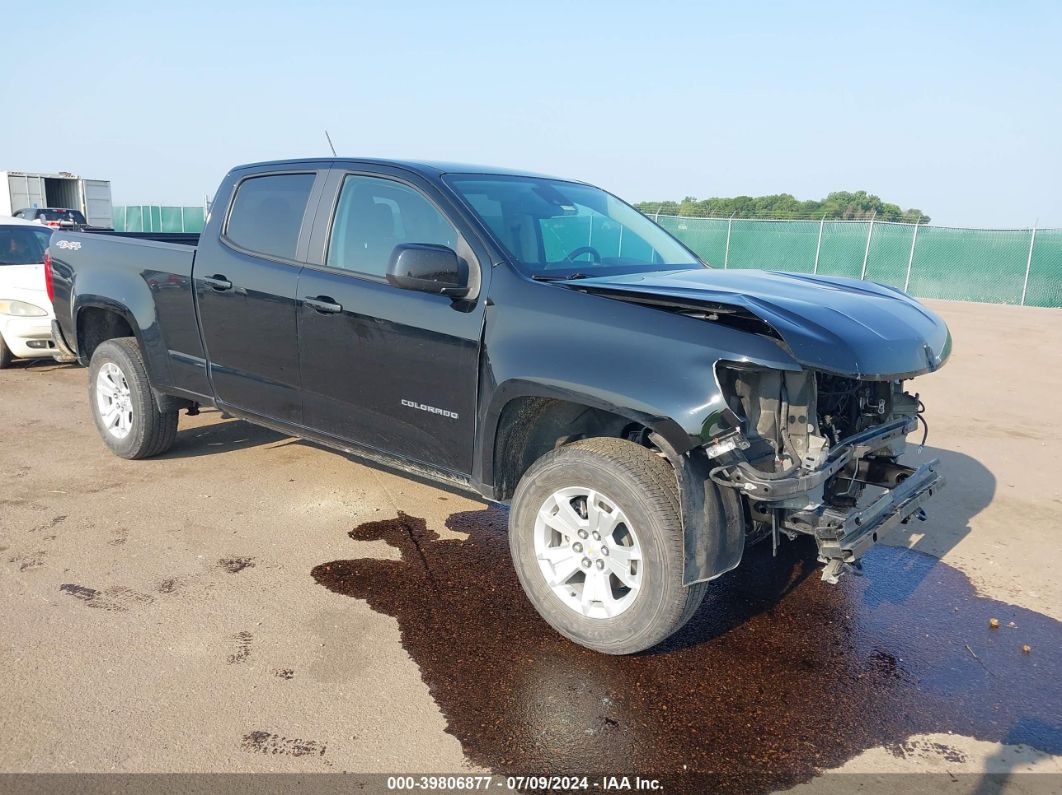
(123, 404)
(636, 506)
(5, 354)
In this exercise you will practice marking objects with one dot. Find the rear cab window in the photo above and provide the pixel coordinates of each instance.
(267, 212)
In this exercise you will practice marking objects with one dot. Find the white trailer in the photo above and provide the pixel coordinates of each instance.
(21, 189)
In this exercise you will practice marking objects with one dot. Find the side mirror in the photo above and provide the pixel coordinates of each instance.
(428, 268)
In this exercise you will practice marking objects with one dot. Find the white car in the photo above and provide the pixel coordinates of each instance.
(25, 311)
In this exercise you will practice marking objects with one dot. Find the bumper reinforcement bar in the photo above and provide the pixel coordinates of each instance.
(859, 530)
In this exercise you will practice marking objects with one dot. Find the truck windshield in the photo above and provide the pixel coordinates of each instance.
(22, 246)
(553, 228)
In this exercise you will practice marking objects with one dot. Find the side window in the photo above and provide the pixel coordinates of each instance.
(267, 213)
(373, 216)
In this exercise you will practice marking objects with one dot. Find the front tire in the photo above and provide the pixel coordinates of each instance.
(123, 404)
(595, 533)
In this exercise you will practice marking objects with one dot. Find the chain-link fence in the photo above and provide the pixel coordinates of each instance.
(158, 218)
(1001, 266)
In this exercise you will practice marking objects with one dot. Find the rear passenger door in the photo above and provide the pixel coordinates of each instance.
(246, 279)
(385, 367)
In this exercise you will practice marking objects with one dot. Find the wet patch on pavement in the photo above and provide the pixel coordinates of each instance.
(268, 743)
(243, 641)
(28, 562)
(54, 522)
(236, 565)
(169, 585)
(116, 599)
(778, 676)
(119, 537)
(284, 673)
(81, 592)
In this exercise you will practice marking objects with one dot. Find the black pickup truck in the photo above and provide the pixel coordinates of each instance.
(531, 340)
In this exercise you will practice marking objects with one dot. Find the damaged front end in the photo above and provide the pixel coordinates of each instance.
(812, 453)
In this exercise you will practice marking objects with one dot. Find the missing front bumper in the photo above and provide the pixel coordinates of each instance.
(846, 537)
(796, 504)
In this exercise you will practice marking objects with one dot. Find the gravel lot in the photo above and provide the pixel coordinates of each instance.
(169, 615)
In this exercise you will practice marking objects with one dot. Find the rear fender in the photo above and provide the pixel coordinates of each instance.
(155, 360)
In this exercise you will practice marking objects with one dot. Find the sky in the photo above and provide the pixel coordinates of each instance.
(951, 107)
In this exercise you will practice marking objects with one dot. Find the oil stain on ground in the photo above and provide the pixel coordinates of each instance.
(779, 675)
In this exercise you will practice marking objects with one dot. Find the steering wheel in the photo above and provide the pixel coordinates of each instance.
(595, 255)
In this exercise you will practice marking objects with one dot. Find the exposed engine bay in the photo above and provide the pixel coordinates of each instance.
(808, 449)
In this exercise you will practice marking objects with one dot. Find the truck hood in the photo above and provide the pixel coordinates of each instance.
(845, 326)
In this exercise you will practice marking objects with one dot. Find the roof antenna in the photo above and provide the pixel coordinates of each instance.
(330, 144)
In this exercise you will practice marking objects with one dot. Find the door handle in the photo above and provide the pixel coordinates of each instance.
(323, 304)
(218, 282)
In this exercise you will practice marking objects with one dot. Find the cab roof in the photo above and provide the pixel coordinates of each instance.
(432, 169)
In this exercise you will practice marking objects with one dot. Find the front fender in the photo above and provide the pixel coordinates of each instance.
(503, 394)
(713, 521)
(653, 366)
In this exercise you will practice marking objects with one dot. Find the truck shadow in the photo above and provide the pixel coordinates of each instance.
(44, 365)
(778, 676)
(222, 436)
(970, 488)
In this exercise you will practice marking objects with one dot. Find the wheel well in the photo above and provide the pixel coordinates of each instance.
(529, 427)
(95, 326)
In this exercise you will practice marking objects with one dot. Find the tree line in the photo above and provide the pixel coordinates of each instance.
(839, 205)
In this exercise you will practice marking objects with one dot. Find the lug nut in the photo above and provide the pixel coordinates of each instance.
(597, 536)
(601, 564)
(586, 563)
(577, 547)
(604, 551)
(583, 534)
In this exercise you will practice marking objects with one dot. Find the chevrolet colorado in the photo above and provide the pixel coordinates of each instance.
(532, 340)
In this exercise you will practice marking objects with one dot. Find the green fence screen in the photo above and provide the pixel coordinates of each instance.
(158, 218)
(1002, 266)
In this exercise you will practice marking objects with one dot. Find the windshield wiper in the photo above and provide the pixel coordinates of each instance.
(551, 277)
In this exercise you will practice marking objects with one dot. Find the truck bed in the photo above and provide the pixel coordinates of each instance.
(152, 272)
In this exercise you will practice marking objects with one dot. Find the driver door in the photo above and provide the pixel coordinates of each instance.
(385, 367)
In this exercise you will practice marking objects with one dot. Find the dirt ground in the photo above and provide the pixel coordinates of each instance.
(164, 616)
